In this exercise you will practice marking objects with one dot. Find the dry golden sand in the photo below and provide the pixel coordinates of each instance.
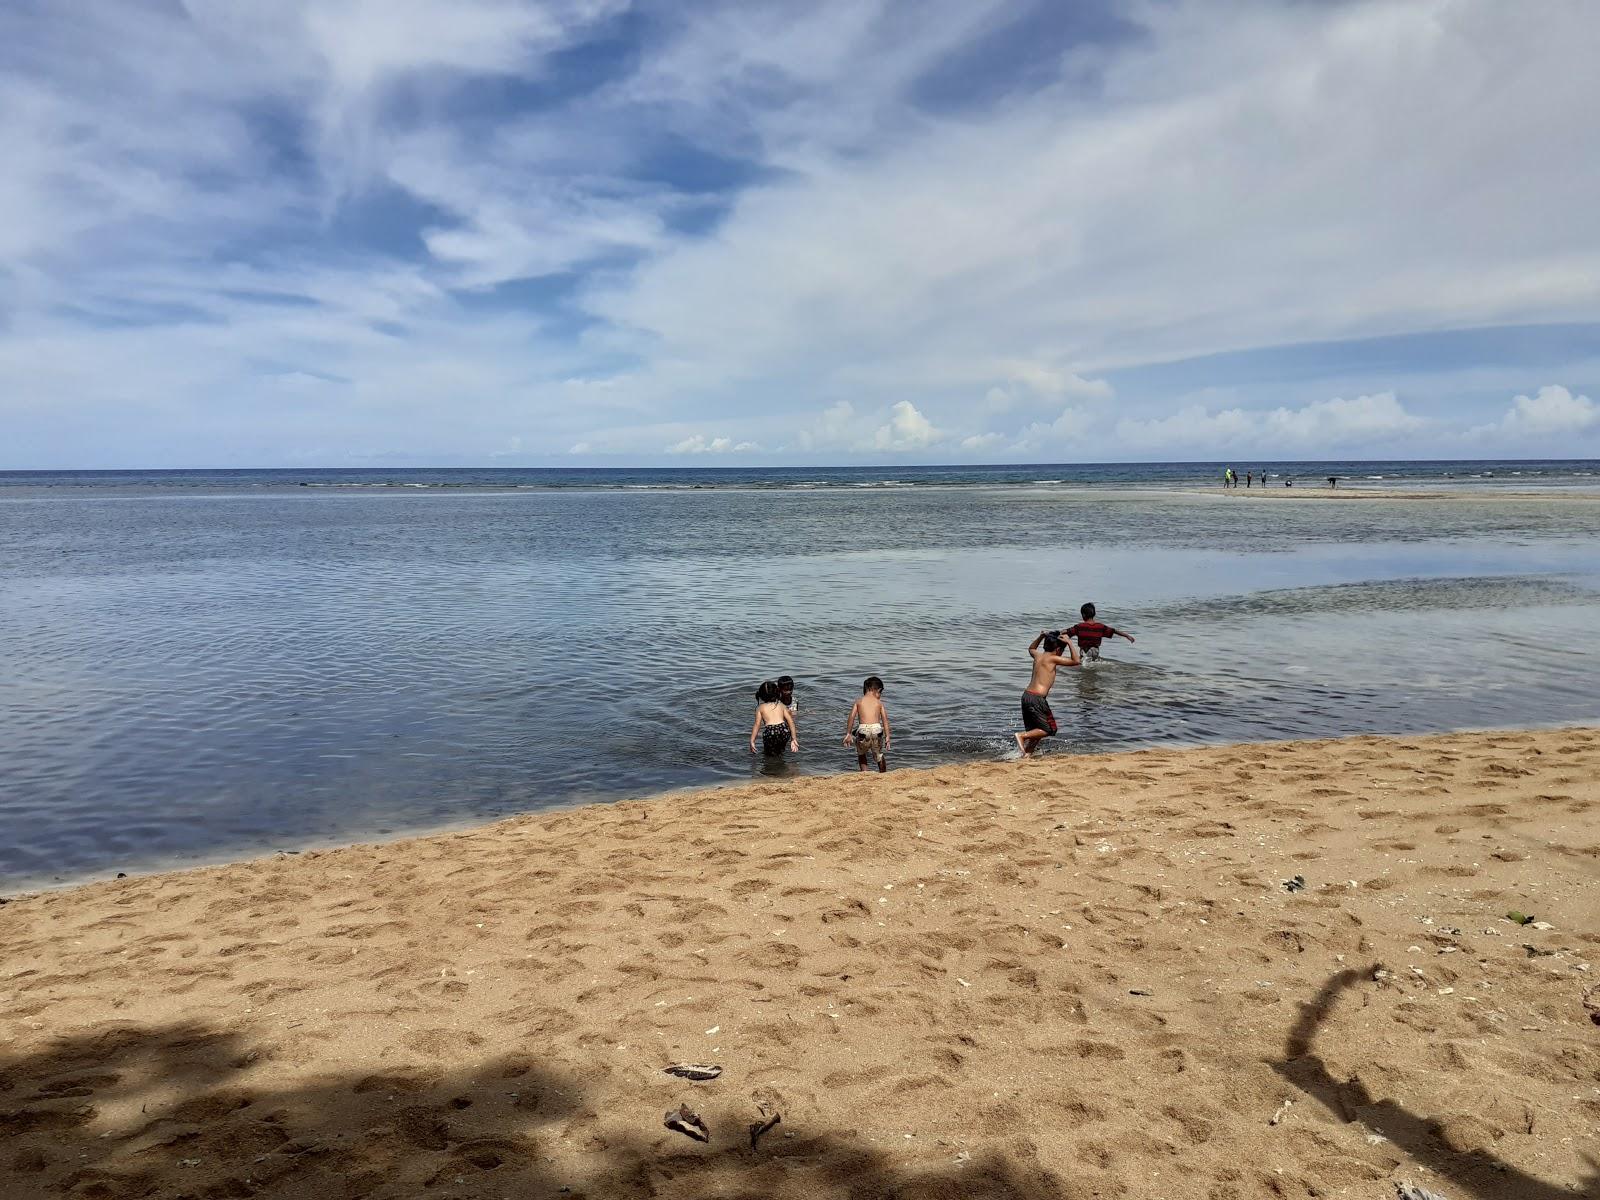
(1080, 977)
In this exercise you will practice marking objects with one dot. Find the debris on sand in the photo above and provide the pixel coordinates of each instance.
(687, 1123)
(1283, 1111)
(695, 1071)
(1591, 1003)
(1410, 1191)
(759, 1129)
(1297, 884)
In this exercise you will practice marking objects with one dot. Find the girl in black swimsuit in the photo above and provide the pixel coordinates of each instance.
(774, 723)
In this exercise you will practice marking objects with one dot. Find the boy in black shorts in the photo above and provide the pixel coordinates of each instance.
(1038, 722)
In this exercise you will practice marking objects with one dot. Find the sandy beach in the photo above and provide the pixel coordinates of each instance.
(1081, 977)
(1316, 491)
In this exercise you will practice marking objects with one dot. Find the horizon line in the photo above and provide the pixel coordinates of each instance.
(796, 466)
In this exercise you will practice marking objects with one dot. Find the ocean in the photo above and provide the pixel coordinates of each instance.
(201, 665)
(1466, 475)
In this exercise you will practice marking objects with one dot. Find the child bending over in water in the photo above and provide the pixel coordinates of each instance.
(774, 723)
(868, 725)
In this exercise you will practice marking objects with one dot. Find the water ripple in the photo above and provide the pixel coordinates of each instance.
(189, 679)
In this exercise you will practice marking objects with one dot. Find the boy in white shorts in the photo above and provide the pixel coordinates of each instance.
(868, 725)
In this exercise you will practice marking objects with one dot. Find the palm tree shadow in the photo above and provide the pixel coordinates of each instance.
(132, 1111)
(1480, 1174)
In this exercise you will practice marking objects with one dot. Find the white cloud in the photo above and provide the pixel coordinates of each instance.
(233, 231)
(699, 444)
(907, 429)
(1046, 380)
(1553, 410)
(842, 428)
(837, 427)
(1339, 422)
(1069, 431)
(509, 217)
(1377, 420)
(1036, 383)
(1179, 209)
(1321, 425)
(996, 400)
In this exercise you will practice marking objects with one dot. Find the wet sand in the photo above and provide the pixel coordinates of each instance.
(1079, 977)
(1321, 491)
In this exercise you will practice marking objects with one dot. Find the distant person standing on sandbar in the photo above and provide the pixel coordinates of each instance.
(1248, 479)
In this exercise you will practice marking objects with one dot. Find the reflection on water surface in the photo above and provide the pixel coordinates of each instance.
(207, 676)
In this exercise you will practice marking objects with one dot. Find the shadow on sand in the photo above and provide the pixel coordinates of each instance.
(1477, 1174)
(177, 1111)
(188, 1122)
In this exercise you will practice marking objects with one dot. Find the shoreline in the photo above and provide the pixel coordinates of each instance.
(1130, 489)
(1322, 492)
(25, 887)
(990, 979)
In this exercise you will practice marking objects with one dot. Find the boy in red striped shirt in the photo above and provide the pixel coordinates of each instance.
(1089, 633)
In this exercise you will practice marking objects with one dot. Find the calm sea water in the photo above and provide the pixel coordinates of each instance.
(1467, 475)
(199, 665)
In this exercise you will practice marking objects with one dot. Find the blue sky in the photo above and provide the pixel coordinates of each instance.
(435, 232)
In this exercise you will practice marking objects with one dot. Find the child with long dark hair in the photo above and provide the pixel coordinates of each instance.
(774, 723)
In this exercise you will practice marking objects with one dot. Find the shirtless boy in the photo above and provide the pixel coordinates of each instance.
(868, 725)
(1037, 720)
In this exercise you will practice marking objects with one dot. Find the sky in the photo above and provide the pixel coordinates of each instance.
(327, 233)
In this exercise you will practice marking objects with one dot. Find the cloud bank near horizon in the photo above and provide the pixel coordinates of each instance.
(345, 232)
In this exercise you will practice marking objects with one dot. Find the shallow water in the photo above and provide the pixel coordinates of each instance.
(194, 675)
